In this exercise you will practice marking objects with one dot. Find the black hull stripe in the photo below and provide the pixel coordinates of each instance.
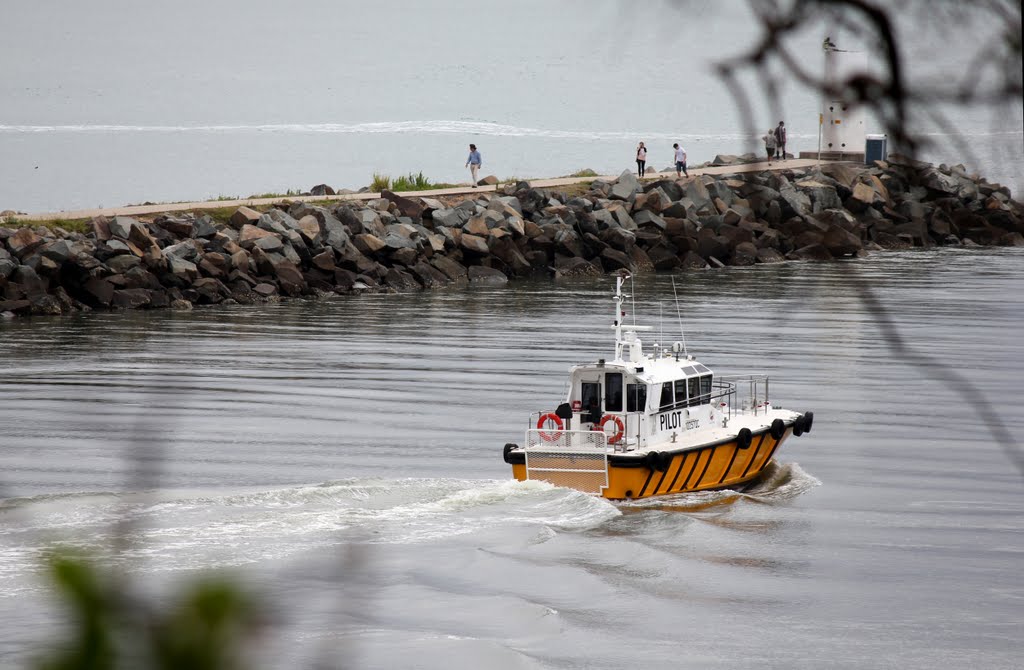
(774, 448)
(662, 480)
(693, 468)
(637, 461)
(646, 483)
(711, 457)
(753, 456)
(735, 453)
(682, 462)
(772, 452)
(627, 461)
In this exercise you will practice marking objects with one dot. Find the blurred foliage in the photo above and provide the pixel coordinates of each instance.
(205, 626)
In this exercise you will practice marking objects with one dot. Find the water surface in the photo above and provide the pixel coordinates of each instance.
(343, 457)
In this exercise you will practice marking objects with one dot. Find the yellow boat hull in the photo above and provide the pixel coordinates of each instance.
(713, 466)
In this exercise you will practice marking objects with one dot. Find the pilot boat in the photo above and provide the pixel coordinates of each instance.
(643, 425)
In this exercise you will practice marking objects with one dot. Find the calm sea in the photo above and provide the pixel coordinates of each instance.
(104, 103)
(343, 458)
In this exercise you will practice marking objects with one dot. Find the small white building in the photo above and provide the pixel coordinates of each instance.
(842, 124)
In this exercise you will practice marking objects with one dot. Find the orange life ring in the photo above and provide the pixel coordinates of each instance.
(620, 428)
(544, 418)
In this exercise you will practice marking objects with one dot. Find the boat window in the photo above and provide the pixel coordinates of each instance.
(613, 392)
(636, 397)
(590, 396)
(705, 389)
(694, 384)
(666, 395)
(680, 391)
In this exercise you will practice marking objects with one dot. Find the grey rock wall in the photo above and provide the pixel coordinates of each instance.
(399, 244)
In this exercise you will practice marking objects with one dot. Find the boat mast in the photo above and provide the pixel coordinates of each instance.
(617, 320)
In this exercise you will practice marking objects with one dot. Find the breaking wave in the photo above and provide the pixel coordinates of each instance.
(426, 127)
(174, 530)
(436, 127)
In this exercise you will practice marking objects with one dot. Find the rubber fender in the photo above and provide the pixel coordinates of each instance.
(508, 448)
(664, 460)
(652, 460)
(744, 438)
(798, 425)
(808, 421)
(778, 429)
(668, 460)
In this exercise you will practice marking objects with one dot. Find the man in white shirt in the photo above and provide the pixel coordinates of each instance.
(680, 160)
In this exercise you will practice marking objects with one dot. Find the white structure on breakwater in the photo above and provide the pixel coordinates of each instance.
(842, 134)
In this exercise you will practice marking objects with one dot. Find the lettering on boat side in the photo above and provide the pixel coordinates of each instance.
(671, 420)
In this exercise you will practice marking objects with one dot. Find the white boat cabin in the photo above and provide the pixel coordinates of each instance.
(647, 400)
(640, 400)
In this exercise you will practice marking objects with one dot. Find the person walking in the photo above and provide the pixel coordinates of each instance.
(680, 160)
(473, 163)
(769, 144)
(780, 140)
(641, 159)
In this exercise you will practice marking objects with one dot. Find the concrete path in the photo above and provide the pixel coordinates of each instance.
(138, 210)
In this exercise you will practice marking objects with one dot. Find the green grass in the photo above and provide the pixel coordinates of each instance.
(409, 182)
(290, 193)
(218, 214)
(585, 172)
(381, 182)
(437, 186)
(70, 225)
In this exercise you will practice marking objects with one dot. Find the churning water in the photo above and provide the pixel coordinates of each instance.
(343, 457)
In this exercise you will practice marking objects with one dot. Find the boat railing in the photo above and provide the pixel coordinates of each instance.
(743, 394)
(632, 427)
(552, 438)
(575, 459)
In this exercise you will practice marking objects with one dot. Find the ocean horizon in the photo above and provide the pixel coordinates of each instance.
(193, 102)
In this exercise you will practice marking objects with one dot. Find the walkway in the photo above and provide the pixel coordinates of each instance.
(139, 210)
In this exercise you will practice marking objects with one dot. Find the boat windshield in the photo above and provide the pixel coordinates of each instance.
(681, 392)
(666, 395)
(636, 397)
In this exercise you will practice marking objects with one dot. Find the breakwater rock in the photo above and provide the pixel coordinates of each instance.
(397, 243)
